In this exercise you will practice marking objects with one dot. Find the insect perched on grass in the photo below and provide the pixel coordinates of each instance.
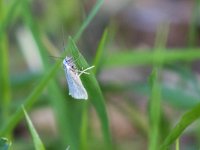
(76, 88)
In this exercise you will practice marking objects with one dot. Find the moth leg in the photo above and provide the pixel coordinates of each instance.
(84, 71)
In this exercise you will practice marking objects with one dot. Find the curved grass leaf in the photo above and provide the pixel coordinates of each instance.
(94, 91)
(187, 119)
(36, 139)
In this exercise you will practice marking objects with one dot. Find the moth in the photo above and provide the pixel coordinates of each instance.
(76, 88)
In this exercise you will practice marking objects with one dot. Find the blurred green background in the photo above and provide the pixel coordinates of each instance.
(144, 91)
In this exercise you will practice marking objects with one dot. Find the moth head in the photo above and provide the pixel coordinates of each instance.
(68, 62)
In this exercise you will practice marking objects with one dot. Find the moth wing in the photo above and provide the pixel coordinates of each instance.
(76, 88)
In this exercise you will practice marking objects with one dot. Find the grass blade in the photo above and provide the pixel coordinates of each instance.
(130, 57)
(177, 144)
(30, 100)
(100, 51)
(192, 37)
(187, 119)
(155, 99)
(4, 79)
(9, 16)
(36, 139)
(88, 19)
(5, 90)
(154, 110)
(84, 128)
(94, 92)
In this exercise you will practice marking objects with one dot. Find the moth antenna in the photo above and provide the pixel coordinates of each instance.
(63, 39)
(56, 57)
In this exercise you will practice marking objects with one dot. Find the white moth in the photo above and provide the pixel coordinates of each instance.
(76, 88)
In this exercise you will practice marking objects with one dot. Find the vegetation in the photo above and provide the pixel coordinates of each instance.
(29, 81)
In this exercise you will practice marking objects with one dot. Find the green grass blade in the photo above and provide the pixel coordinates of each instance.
(5, 90)
(100, 51)
(4, 144)
(94, 92)
(86, 22)
(177, 144)
(177, 96)
(9, 16)
(130, 57)
(192, 37)
(68, 148)
(66, 109)
(187, 119)
(154, 110)
(30, 100)
(36, 139)
(84, 128)
(5, 80)
(155, 99)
